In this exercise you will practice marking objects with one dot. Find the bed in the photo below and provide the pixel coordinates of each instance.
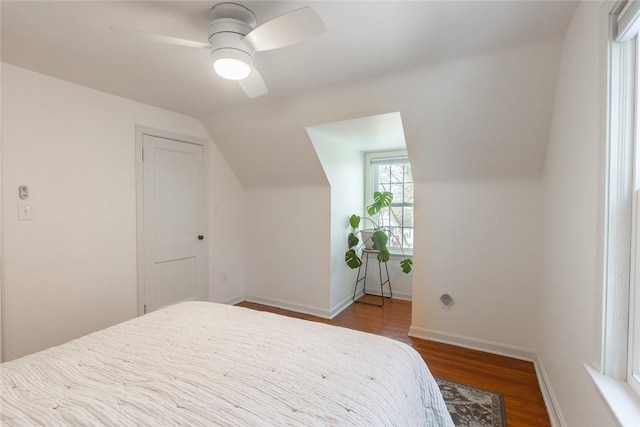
(200, 363)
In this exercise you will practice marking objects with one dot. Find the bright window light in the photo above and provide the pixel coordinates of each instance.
(391, 171)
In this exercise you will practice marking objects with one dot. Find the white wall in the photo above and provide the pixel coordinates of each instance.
(401, 283)
(72, 269)
(479, 242)
(343, 162)
(481, 119)
(288, 233)
(568, 313)
(227, 231)
(344, 166)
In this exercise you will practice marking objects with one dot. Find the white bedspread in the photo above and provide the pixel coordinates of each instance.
(201, 363)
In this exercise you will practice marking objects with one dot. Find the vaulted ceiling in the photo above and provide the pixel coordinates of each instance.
(474, 81)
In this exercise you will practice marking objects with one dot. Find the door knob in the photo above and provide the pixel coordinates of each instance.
(200, 237)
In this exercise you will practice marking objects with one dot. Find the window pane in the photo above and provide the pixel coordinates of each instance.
(383, 186)
(408, 237)
(384, 173)
(383, 218)
(408, 177)
(398, 236)
(394, 241)
(407, 217)
(408, 193)
(396, 216)
(397, 173)
(398, 192)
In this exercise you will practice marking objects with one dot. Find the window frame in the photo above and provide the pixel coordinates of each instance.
(619, 270)
(368, 191)
(633, 344)
(618, 357)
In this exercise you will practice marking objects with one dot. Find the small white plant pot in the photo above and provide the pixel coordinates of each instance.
(365, 237)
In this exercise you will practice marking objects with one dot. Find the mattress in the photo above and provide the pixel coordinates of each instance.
(200, 363)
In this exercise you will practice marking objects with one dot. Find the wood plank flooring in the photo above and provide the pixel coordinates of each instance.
(515, 379)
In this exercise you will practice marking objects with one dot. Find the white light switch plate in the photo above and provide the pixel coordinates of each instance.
(25, 211)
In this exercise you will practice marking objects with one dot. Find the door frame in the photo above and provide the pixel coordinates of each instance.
(141, 131)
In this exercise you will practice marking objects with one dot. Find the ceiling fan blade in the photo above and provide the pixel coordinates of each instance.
(285, 30)
(254, 86)
(158, 37)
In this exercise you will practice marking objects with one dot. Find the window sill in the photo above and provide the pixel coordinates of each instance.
(400, 255)
(622, 401)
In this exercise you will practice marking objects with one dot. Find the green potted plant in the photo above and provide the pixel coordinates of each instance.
(378, 235)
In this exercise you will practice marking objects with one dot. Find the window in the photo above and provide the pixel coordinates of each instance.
(391, 172)
(633, 293)
(620, 353)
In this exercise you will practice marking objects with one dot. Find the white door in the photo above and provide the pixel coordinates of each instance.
(175, 261)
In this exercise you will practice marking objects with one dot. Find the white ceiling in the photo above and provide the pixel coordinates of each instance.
(366, 41)
(382, 132)
(70, 40)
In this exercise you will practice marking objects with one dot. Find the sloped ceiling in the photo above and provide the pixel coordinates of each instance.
(383, 132)
(474, 81)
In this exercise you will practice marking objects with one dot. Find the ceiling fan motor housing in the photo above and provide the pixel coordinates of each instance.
(230, 23)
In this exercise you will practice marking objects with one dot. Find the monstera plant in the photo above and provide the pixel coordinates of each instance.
(378, 235)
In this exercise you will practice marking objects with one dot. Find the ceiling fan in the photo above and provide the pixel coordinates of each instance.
(234, 39)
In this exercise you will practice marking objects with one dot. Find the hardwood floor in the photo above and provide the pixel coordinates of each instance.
(515, 379)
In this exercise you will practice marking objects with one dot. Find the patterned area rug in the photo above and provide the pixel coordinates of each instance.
(472, 407)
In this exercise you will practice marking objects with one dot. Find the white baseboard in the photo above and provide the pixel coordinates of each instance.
(346, 303)
(516, 352)
(343, 305)
(288, 305)
(301, 308)
(550, 401)
(402, 296)
(232, 301)
(396, 295)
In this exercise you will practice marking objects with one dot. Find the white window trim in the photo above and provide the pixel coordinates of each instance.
(633, 297)
(368, 190)
(619, 209)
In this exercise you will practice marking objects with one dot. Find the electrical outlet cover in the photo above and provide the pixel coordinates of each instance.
(25, 211)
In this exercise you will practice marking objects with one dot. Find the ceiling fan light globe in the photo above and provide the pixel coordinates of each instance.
(232, 69)
(232, 64)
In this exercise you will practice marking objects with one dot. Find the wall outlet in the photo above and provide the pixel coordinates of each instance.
(25, 211)
(447, 301)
